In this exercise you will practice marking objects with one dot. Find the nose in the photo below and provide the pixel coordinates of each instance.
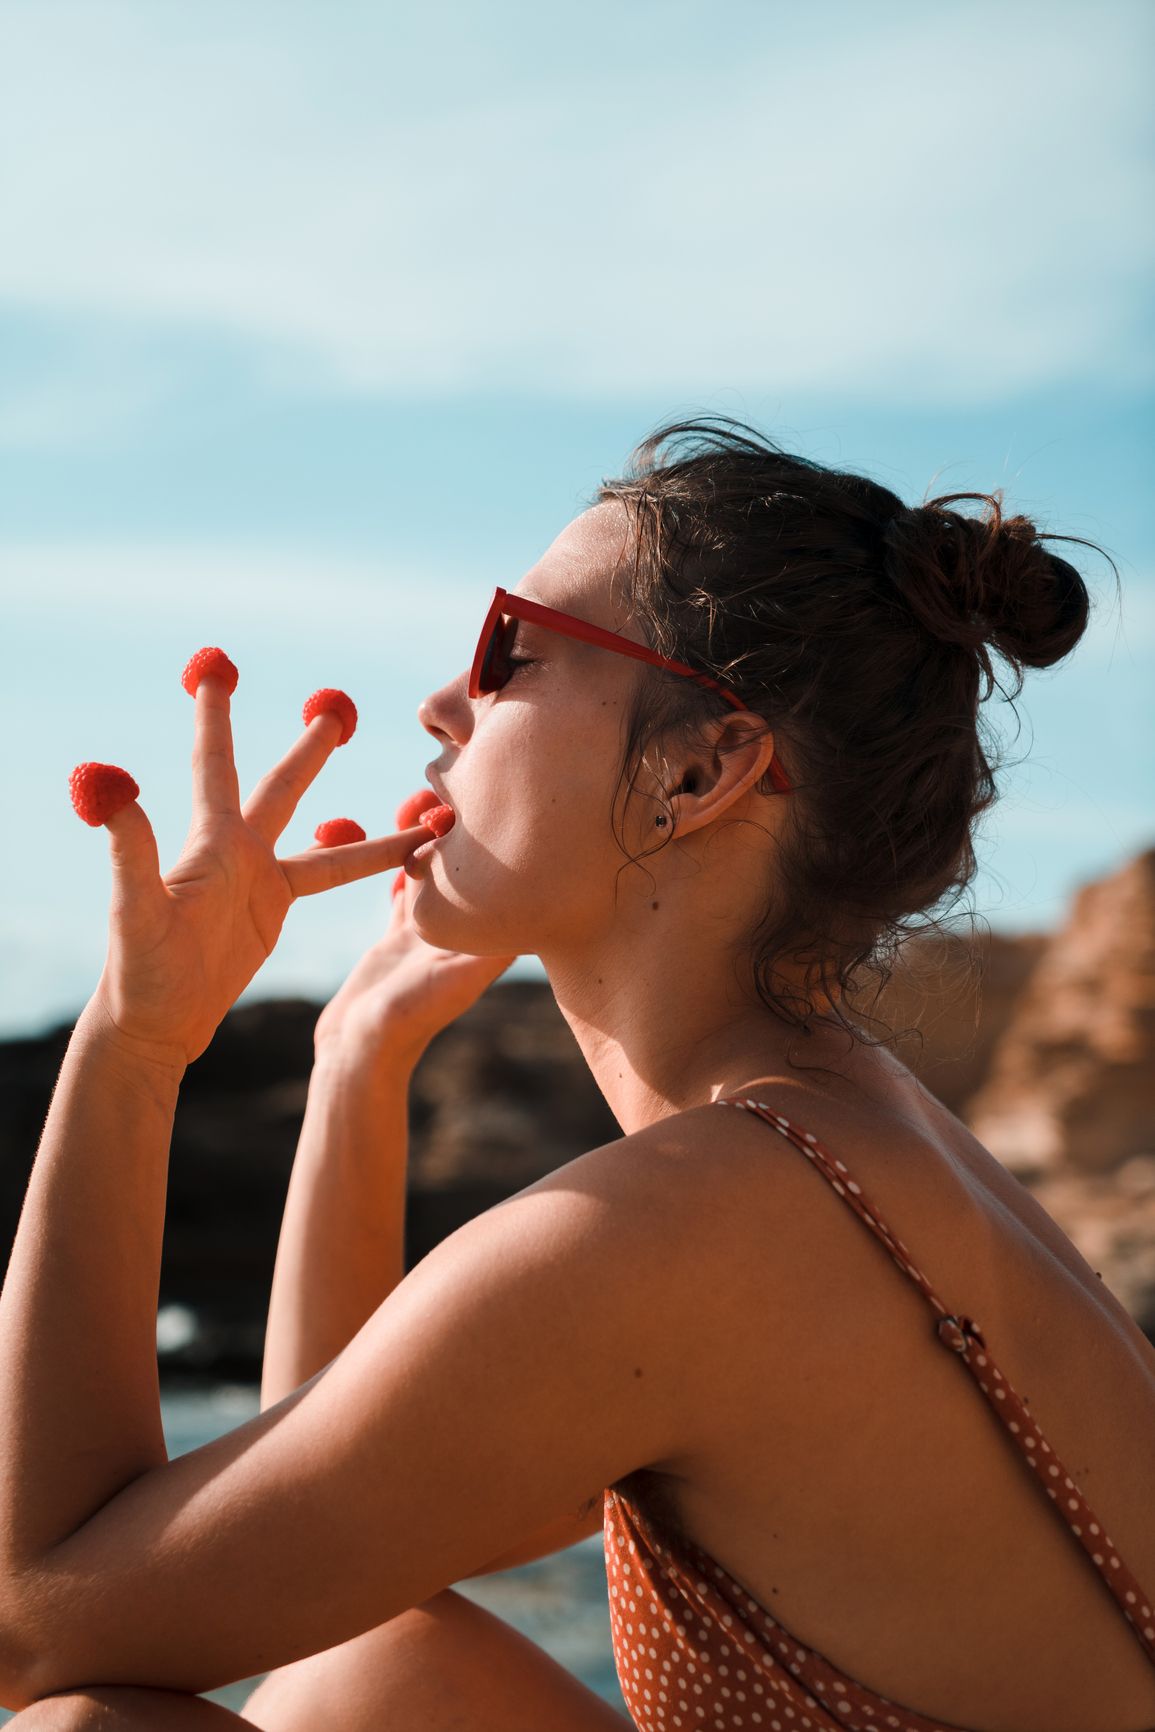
(446, 713)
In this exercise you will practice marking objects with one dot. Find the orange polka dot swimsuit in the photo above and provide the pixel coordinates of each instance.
(695, 1653)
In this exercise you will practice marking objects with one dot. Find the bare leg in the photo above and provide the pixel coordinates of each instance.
(446, 1666)
(125, 1708)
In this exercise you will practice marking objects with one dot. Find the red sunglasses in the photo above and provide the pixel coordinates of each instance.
(491, 668)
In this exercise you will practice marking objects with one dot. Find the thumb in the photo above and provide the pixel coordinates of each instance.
(134, 856)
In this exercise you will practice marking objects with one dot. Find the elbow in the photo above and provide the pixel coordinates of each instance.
(13, 1699)
(25, 1657)
(30, 1673)
(16, 1687)
(25, 1680)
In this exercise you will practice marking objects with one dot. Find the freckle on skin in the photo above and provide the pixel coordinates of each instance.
(653, 905)
(637, 1371)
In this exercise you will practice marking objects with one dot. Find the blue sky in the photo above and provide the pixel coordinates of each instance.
(318, 321)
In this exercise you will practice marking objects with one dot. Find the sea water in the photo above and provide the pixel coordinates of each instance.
(559, 1602)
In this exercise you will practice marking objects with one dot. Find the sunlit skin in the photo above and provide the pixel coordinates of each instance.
(649, 965)
(687, 1306)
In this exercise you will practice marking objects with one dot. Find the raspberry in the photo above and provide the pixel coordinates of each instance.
(334, 831)
(100, 791)
(209, 661)
(439, 819)
(409, 811)
(341, 706)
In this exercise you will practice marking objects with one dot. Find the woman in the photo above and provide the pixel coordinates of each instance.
(745, 1331)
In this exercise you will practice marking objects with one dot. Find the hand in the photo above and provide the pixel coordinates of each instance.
(403, 991)
(183, 948)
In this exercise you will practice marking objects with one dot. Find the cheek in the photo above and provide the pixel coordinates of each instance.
(534, 860)
(544, 826)
(540, 800)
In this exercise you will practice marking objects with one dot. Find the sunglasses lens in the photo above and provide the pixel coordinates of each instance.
(495, 668)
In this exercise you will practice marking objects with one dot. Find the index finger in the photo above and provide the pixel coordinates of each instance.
(326, 868)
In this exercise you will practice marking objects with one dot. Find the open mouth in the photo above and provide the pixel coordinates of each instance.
(443, 829)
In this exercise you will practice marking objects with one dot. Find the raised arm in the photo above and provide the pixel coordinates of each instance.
(81, 1414)
(341, 1249)
(342, 1245)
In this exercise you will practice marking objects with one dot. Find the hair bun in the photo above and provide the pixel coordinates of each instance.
(974, 581)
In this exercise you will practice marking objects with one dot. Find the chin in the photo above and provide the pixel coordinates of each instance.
(448, 925)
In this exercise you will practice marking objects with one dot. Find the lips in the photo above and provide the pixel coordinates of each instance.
(424, 849)
(437, 819)
(438, 786)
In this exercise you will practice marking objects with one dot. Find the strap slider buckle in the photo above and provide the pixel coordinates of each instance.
(958, 1332)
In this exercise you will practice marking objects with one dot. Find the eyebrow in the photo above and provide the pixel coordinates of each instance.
(554, 607)
(531, 624)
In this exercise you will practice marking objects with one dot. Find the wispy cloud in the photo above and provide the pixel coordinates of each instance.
(942, 204)
(281, 588)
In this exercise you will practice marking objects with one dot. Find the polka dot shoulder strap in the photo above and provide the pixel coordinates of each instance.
(962, 1336)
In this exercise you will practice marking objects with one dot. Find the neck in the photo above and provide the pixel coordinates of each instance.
(667, 1025)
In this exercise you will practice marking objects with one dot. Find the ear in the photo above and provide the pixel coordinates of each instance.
(737, 753)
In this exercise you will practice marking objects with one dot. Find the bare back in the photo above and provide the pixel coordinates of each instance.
(847, 1471)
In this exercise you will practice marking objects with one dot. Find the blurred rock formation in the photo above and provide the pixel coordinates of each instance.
(1046, 1046)
(1071, 1081)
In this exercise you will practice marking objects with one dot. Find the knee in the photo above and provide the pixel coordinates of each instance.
(374, 1665)
(101, 1708)
(68, 1712)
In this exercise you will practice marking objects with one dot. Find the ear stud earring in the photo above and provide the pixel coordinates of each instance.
(660, 821)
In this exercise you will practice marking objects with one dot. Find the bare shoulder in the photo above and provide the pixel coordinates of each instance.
(703, 1164)
(713, 1170)
(642, 1180)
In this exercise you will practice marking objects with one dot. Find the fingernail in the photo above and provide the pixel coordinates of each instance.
(100, 791)
(329, 701)
(439, 819)
(209, 661)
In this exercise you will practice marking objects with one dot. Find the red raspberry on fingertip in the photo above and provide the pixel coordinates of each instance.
(439, 819)
(100, 791)
(339, 704)
(336, 831)
(209, 661)
(410, 810)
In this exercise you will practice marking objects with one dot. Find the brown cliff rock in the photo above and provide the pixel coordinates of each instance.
(1110, 1219)
(1071, 1084)
(950, 1002)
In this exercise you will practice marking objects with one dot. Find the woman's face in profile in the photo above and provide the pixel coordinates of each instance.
(530, 770)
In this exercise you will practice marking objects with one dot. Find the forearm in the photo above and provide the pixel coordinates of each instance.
(342, 1244)
(80, 1414)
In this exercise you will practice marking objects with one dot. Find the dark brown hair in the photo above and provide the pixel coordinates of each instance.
(864, 631)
